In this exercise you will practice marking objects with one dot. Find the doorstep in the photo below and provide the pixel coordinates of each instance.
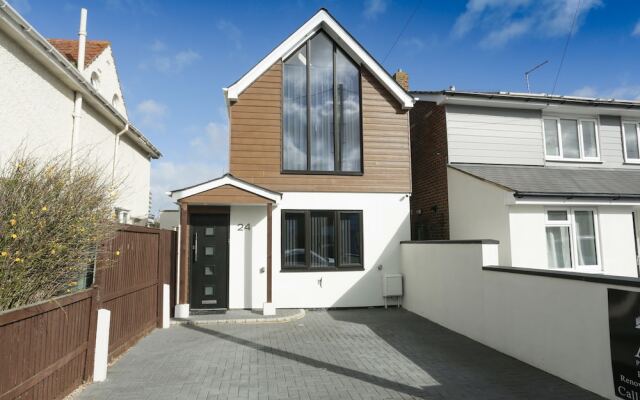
(241, 317)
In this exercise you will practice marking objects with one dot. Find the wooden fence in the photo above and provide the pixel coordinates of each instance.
(46, 349)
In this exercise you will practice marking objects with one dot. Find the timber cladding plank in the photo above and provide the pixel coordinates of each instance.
(255, 142)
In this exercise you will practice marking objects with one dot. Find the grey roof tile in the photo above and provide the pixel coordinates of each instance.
(560, 181)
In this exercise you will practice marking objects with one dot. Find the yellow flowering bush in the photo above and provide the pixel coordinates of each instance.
(53, 218)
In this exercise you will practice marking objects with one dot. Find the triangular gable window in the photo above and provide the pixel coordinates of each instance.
(321, 118)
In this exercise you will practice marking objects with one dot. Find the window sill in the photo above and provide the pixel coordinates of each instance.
(320, 269)
(573, 161)
(631, 162)
(331, 173)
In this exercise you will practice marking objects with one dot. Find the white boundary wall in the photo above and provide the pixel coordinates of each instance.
(558, 325)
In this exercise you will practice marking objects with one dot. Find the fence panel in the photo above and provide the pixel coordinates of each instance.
(44, 347)
(128, 286)
(47, 349)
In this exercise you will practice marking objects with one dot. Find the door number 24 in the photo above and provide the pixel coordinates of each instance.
(244, 227)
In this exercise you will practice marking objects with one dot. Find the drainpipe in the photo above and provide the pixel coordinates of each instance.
(77, 103)
(115, 151)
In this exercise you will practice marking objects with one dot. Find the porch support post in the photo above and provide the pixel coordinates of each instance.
(269, 250)
(182, 308)
(268, 307)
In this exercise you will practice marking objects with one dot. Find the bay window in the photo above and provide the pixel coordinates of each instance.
(631, 143)
(321, 240)
(572, 240)
(571, 139)
(321, 121)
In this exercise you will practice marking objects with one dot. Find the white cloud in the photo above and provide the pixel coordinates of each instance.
(585, 91)
(206, 160)
(373, 8)
(171, 175)
(500, 21)
(166, 62)
(151, 114)
(636, 29)
(158, 45)
(214, 142)
(22, 6)
(231, 31)
(622, 92)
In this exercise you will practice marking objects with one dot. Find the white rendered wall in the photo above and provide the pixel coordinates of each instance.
(35, 107)
(247, 256)
(133, 168)
(385, 224)
(36, 113)
(477, 210)
(557, 325)
(104, 65)
(615, 224)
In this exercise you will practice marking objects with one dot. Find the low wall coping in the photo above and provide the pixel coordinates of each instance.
(469, 241)
(576, 276)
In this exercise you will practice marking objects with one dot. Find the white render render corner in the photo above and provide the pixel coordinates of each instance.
(483, 210)
(385, 225)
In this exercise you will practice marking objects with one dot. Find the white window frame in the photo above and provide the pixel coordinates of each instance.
(573, 238)
(624, 141)
(579, 121)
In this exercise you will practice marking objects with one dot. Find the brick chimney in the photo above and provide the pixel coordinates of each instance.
(402, 78)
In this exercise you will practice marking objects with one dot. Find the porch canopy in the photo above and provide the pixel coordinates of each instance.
(565, 182)
(216, 196)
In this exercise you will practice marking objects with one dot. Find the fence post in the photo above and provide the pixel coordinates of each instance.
(102, 345)
(91, 339)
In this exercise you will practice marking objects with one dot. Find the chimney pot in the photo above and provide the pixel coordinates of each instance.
(402, 78)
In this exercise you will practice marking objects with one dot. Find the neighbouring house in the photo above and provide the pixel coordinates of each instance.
(555, 179)
(317, 199)
(54, 102)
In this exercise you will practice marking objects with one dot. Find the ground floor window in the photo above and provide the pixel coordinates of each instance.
(321, 239)
(572, 238)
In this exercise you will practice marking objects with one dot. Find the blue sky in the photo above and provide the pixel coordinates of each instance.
(174, 57)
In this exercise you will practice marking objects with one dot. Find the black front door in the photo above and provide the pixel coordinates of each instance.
(209, 260)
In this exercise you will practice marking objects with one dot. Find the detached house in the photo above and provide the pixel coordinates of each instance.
(555, 179)
(317, 199)
(61, 97)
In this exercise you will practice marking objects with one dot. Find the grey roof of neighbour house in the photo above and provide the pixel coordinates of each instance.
(558, 181)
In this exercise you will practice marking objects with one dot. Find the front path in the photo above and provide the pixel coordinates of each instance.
(346, 354)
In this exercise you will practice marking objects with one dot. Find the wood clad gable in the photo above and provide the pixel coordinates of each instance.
(255, 150)
(225, 194)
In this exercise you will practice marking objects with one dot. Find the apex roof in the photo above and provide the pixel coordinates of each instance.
(69, 49)
(325, 21)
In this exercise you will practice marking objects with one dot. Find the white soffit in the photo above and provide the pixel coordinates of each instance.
(322, 19)
(225, 180)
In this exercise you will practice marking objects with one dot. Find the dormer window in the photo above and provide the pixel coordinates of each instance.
(571, 139)
(95, 80)
(321, 121)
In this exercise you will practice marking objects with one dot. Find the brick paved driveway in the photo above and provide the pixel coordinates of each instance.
(346, 354)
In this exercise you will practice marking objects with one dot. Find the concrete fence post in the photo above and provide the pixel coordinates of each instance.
(166, 300)
(101, 358)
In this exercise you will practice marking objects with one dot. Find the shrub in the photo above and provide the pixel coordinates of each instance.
(53, 218)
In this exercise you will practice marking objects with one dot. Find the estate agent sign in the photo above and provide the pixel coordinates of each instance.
(624, 333)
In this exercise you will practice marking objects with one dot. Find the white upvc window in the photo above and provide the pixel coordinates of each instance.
(572, 239)
(568, 139)
(631, 141)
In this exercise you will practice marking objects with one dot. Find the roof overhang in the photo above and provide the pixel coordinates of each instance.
(550, 104)
(14, 25)
(325, 21)
(226, 179)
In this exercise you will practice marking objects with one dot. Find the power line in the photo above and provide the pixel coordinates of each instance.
(566, 45)
(402, 30)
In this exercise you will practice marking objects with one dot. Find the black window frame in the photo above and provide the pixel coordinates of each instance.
(337, 151)
(307, 236)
